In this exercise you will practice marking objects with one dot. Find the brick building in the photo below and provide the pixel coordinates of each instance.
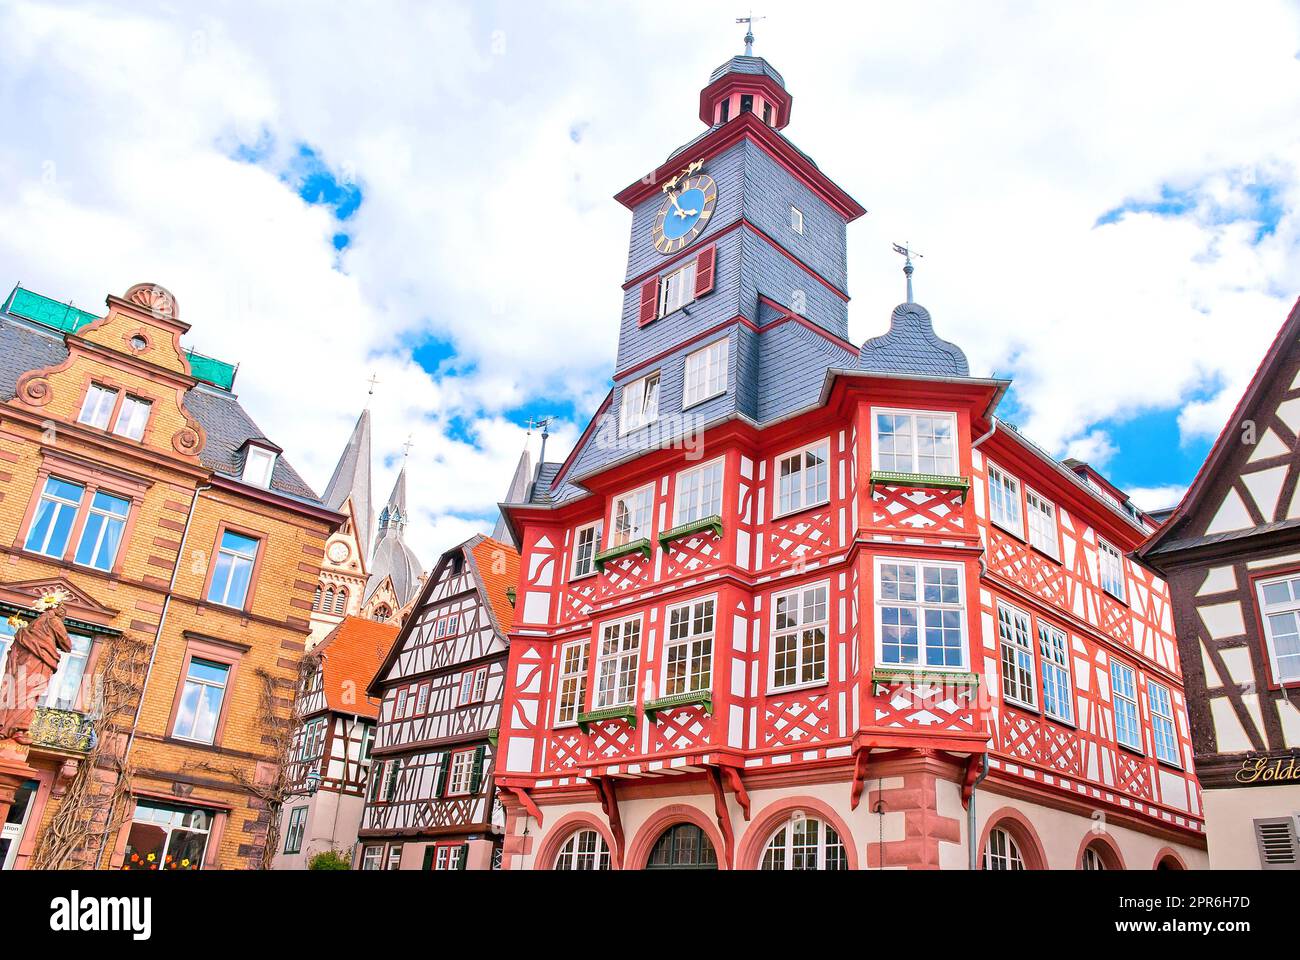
(133, 482)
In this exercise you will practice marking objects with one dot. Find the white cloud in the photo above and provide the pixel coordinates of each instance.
(993, 139)
(1156, 498)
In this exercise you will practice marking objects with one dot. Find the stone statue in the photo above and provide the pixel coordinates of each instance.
(33, 659)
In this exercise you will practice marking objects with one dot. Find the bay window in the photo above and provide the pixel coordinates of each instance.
(799, 628)
(631, 519)
(699, 493)
(688, 651)
(616, 663)
(908, 441)
(586, 544)
(572, 697)
(921, 613)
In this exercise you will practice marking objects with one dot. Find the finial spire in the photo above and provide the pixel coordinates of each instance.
(371, 392)
(749, 22)
(406, 447)
(907, 253)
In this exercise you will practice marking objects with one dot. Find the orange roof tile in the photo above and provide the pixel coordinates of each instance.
(498, 569)
(350, 657)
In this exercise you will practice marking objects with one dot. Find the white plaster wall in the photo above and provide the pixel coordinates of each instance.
(1229, 822)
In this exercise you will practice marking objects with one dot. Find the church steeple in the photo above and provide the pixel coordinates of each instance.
(393, 559)
(352, 479)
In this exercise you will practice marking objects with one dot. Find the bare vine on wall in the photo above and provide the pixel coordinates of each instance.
(96, 801)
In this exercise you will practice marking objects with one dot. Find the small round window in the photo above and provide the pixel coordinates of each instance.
(138, 343)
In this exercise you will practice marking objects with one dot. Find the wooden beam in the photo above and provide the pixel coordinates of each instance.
(860, 759)
(723, 815)
(527, 803)
(738, 787)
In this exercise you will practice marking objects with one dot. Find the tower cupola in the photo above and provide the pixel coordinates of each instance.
(746, 84)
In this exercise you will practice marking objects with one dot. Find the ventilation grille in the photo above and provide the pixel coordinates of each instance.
(1277, 844)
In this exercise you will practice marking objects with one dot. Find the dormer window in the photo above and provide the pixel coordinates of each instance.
(259, 464)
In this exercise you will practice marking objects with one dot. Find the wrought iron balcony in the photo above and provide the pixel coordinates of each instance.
(66, 730)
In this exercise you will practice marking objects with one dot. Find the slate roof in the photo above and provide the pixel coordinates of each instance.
(911, 346)
(392, 557)
(28, 346)
(351, 478)
(518, 493)
(755, 66)
(350, 655)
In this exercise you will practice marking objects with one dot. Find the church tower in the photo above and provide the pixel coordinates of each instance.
(344, 568)
(395, 572)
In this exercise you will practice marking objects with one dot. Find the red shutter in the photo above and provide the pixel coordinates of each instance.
(704, 271)
(649, 301)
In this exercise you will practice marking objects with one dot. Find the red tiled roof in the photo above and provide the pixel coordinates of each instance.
(498, 569)
(350, 657)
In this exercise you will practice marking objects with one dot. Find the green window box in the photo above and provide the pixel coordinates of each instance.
(641, 546)
(689, 699)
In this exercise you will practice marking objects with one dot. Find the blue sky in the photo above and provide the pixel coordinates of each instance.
(1103, 218)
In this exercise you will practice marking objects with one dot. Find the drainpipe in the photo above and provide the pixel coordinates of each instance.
(971, 836)
(153, 653)
(992, 430)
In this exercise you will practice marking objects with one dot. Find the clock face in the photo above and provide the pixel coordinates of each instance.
(338, 551)
(685, 213)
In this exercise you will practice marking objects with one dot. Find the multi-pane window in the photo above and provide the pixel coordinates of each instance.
(376, 780)
(1279, 602)
(461, 774)
(97, 408)
(922, 614)
(640, 403)
(392, 773)
(699, 493)
(1162, 722)
(908, 442)
(312, 742)
(1123, 695)
(64, 687)
(167, 837)
(573, 682)
(132, 418)
(1111, 569)
(447, 856)
(800, 620)
(422, 700)
(1001, 852)
(101, 536)
(1055, 653)
(677, 289)
(1017, 650)
(294, 831)
(1092, 859)
(688, 652)
(706, 373)
(616, 663)
(372, 857)
(394, 857)
(473, 685)
(1042, 523)
(805, 843)
(631, 517)
(585, 850)
(803, 478)
(586, 544)
(1004, 501)
(233, 572)
(55, 514)
(201, 698)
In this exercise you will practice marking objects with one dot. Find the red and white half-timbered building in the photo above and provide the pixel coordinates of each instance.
(792, 604)
(432, 798)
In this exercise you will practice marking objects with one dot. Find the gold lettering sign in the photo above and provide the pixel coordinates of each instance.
(1261, 770)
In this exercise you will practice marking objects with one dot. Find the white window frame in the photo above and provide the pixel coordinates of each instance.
(639, 501)
(677, 289)
(1280, 609)
(133, 417)
(1040, 521)
(640, 403)
(620, 661)
(473, 686)
(1008, 484)
(1117, 668)
(877, 412)
(693, 649)
(1016, 656)
(63, 690)
(704, 373)
(1054, 654)
(810, 666)
(577, 855)
(796, 219)
(921, 608)
(574, 663)
(238, 560)
(259, 465)
(584, 565)
(200, 702)
(779, 853)
(59, 505)
(94, 413)
(809, 495)
(108, 520)
(372, 856)
(1002, 852)
(689, 489)
(460, 772)
(1164, 729)
(1118, 579)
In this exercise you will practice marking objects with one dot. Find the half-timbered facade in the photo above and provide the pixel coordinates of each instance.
(1231, 552)
(794, 604)
(330, 760)
(431, 802)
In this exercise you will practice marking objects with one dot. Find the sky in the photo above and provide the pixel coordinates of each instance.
(1107, 197)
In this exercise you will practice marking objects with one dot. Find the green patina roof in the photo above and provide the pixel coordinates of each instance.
(68, 319)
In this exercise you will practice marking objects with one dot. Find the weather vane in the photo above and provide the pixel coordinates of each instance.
(406, 447)
(907, 253)
(749, 22)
